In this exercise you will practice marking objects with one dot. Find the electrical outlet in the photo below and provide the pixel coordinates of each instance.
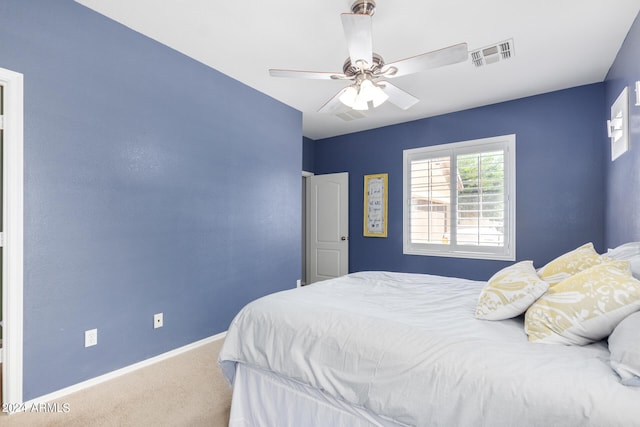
(90, 337)
(157, 321)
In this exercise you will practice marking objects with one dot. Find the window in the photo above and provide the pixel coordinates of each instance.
(459, 199)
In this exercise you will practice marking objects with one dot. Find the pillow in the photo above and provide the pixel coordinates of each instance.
(624, 346)
(586, 307)
(569, 264)
(628, 252)
(510, 292)
(624, 251)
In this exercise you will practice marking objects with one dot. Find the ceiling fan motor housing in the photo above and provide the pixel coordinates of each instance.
(364, 7)
(351, 70)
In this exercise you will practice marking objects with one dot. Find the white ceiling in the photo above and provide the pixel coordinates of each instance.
(558, 44)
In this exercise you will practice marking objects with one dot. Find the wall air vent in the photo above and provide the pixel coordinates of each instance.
(493, 53)
(351, 115)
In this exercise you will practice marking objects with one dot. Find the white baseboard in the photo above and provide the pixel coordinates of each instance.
(122, 371)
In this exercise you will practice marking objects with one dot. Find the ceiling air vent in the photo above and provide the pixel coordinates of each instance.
(493, 53)
(351, 115)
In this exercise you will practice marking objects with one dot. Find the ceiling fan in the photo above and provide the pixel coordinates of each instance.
(367, 69)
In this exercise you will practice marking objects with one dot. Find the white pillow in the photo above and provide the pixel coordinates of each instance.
(627, 252)
(624, 251)
(624, 345)
(586, 307)
(510, 292)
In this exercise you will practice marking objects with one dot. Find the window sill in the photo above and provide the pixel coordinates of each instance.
(461, 254)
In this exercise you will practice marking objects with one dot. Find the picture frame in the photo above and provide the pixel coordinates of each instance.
(618, 125)
(375, 205)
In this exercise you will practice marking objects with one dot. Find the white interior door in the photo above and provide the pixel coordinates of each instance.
(327, 226)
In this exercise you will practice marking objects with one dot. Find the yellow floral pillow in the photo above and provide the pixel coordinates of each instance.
(569, 264)
(585, 307)
(510, 292)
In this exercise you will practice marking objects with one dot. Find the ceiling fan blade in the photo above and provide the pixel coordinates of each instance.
(298, 74)
(357, 31)
(437, 58)
(334, 105)
(397, 96)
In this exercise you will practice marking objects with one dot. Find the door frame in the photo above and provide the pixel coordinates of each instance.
(13, 258)
(305, 232)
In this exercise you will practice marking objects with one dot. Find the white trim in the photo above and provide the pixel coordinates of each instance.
(305, 232)
(12, 271)
(120, 372)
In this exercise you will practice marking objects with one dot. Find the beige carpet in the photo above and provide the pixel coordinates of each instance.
(186, 390)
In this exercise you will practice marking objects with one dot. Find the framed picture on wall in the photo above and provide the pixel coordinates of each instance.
(618, 125)
(375, 205)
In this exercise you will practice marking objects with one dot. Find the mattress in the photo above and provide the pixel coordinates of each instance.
(408, 348)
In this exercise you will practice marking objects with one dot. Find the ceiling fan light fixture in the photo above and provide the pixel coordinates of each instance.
(371, 92)
(349, 96)
(360, 103)
(378, 96)
(358, 95)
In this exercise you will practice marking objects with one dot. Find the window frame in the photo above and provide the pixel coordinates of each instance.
(508, 251)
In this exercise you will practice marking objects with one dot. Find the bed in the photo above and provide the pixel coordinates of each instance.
(397, 349)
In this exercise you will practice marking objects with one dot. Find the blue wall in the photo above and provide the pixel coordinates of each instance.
(623, 175)
(560, 159)
(152, 184)
(308, 155)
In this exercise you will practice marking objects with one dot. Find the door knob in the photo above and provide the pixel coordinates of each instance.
(343, 238)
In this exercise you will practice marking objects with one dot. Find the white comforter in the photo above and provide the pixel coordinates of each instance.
(408, 347)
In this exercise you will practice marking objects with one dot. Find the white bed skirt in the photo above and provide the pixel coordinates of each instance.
(262, 398)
